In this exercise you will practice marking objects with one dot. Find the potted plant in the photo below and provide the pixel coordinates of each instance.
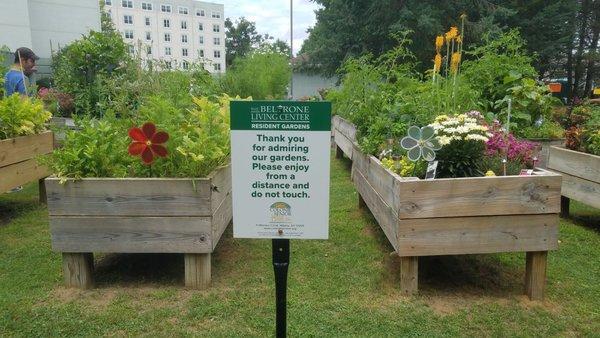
(23, 137)
(157, 182)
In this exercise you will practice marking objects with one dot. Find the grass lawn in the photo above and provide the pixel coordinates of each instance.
(345, 286)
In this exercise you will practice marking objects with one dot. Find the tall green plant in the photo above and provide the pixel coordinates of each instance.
(261, 75)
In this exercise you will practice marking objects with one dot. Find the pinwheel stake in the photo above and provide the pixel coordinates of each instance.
(420, 143)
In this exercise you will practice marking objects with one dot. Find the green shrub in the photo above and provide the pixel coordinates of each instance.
(198, 142)
(260, 75)
(21, 116)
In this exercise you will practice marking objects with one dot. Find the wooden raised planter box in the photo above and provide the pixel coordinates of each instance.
(544, 149)
(581, 176)
(462, 216)
(139, 215)
(344, 135)
(18, 164)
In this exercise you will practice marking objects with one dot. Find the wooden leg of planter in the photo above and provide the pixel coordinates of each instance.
(197, 270)
(77, 269)
(409, 275)
(42, 191)
(361, 202)
(338, 152)
(535, 274)
(565, 203)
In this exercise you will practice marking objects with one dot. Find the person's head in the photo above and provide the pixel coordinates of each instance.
(26, 58)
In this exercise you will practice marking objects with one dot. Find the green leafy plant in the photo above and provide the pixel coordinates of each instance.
(198, 142)
(260, 75)
(21, 116)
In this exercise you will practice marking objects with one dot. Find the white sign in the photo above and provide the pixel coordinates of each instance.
(280, 169)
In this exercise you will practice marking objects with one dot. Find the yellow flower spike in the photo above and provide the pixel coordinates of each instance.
(437, 63)
(439, 42)
(453, 32)
(459, 39)
(454, 62)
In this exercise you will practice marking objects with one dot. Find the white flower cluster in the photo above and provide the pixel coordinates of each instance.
(461, 127)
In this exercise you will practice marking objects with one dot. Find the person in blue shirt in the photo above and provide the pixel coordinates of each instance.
(24, 66)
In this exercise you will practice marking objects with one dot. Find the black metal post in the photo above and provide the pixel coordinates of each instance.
(281, 262)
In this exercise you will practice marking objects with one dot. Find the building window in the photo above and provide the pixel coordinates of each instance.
(216, 15)
(200, 26)
(168, 65)
(201, 53)
(216, 28)
(109, 14)
(184, 52)
(128, 19)
(217, 54)
(147, 6)
(166, 23)
(131, 49)
(185, 64)
(183, 10)
(168, 51)
(148, 36)
(184, 38)
(127, 3)
(108, 2)
(217, 67)
(147, 21)
(200, 12)
(201, 40)
(149, 50)
(165, 8)
(183, 24)
(128, 34)
(167, 37)
(217, 41)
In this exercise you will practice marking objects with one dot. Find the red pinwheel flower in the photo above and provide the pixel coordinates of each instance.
(147, 142)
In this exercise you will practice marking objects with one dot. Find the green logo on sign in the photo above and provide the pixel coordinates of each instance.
(280, 212)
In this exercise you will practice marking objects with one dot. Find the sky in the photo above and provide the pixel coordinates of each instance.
(273, 17)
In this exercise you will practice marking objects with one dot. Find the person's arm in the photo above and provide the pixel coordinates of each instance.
(20, 87)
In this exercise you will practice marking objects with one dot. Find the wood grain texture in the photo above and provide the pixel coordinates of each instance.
(535, 274)
(409, 275)
(197, 270)
(221, 219)
(220, 184)
(129, 197)
(345, 128)
(476, 235)
(20, 173)
(575, 163)
(24, 148)
(131, 234)
(382, 212)
(480, 196)
(78, 270)
(584, 191)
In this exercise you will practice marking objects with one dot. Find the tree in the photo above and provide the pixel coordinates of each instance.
(241, 38)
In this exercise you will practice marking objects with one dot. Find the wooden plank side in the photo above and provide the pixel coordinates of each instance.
(480, 196)
(475, 235)
(584, 191)
(129, 197)
(344, 143)
(575, 163)
(347, 129)
(382, 212)
(23, 148)
(21, 173)
(221, 219)
(131, 234)
(220, 183)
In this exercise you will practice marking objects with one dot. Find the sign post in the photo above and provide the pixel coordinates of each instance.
(280, 172)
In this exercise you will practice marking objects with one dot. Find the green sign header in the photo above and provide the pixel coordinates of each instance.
(281, 115)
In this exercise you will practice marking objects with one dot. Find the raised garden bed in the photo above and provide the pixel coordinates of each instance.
(139, 215)
(581, 176)
(544, 149)
(462, 216)
(18, 163)
(344, 135)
